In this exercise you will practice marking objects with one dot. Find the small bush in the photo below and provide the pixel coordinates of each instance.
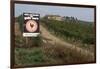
(20, 20)
(88, 40)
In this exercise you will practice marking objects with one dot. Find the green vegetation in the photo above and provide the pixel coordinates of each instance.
(28, 42)
(28, 56)
(37, 41)
(71, 31)
(50, 54)
(32, 51)
(27, 50)
(20, 20)
(62, 55)
(68, 29)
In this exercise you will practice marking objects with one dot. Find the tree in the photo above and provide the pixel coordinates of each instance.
(20, 20)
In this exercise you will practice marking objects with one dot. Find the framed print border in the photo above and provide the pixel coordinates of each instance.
(12, 48)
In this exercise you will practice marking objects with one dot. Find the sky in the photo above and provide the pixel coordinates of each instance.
(85, 14)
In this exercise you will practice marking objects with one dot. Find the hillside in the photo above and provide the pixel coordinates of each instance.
(71, 31)
(50, 48)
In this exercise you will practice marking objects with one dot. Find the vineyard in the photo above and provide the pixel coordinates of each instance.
(56, 43)
(71, 31)
(81, 33)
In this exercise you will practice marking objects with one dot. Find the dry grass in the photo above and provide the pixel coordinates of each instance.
(61, 54)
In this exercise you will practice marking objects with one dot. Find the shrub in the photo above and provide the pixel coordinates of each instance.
(88, 40)
(20, 21)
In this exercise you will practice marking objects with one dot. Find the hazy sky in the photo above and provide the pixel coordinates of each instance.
(86, 14)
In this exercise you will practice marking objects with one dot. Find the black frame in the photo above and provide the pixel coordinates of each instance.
(41, 3)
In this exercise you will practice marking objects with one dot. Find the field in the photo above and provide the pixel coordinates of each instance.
(79, 33)
(60, 42)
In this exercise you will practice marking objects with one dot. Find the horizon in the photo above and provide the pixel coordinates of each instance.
(84, 14)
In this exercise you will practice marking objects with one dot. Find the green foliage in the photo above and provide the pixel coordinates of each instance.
(27, 56)
(31, 42)
(19, 41)
(37, 41)
(61, 54)
(50, 54)
(74, 31)
(20, 20)
(89, 40)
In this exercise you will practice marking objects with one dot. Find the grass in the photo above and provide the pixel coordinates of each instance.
(65, 55)
(49, 54)
(28, 56)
